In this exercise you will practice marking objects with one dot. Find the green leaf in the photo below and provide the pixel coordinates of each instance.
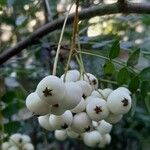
(145, 74)
(12, 127)
(115, 50)
(147, 102)
(145, 88)
(8, 96)
(109, 68)
(133, 58)
(123, 76)
(134, 84)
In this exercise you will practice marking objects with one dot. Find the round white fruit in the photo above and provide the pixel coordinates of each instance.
(104, 127)
(81, 123)
(60, 135)
(95, 124)
(61, 122)
(105, 93)
(72, 134)
(91, 79)
(88, 99)
(97, 109)
(106, 139)
(13, 148)
(51, 89)
(73, 95)
(57, 109)
(26, 139)
(119, 102)
(92, 139)
(71, 76)
(37, 105)
(86, 88)
(80, 107)
(112, 118)
(124, 90)
(28, 146)
(5, 145)
(96, 94)
(16, 139)
(44, 122)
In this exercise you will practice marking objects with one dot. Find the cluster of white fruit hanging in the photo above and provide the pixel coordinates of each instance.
(18, 141)
(76, 108)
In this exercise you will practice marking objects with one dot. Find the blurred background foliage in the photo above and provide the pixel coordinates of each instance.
(118, 54)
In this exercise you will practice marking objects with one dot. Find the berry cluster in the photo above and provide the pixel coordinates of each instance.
(77, 108)
(18, 141)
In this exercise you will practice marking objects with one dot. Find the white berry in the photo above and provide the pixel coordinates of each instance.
(16, 139)
(72, 134)
(57, 109)
(26, 139)
(51, 89)
(5, 145)
(28, 146)
(73, 95)
(81, 123)
(112, 118)
(104, 127)
(71, 76)
(37, 105)
(92, 139)
(119, 102)
(91, 79)
(61, 122)
(13, 148)
(44, 122)
(97, 109)
(60, 135)
(86, 88)
(80, 107)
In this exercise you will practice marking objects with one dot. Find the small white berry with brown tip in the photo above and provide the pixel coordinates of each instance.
(72, 96)
(119, 102)
(51, 89)
(105, 92)
(81, 123)
(97, 109)
(124, 89)
(57, 109)
(86, 88)
(37, 105)
(71, 76)
(16, 139)
(61, 122)
(96, 94)
(60, 135)
(44, 122)
(91, 79)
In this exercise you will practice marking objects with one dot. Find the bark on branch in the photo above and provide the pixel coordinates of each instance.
(138, 8)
